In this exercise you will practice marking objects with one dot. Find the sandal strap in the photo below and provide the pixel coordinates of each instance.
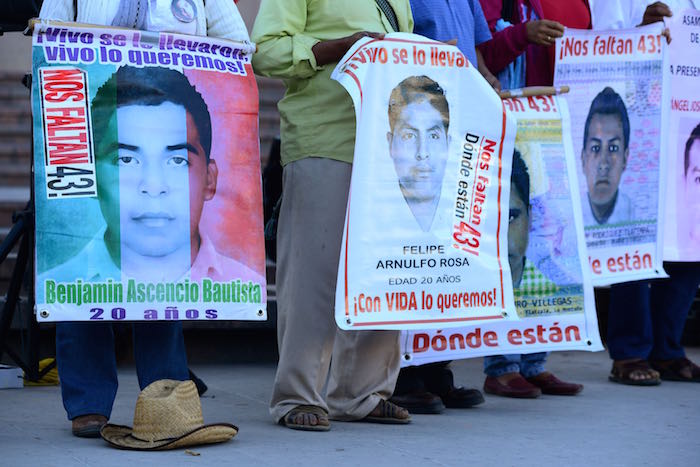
(387, 409)
(677, 365)
(625, 369)
(306, 409)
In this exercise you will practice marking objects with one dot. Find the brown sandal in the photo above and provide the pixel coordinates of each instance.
(388, 413)
(622, 373)
(677, 369)
(322, 423)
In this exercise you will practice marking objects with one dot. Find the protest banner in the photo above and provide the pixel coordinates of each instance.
(617, 90)
(146, 181)
(424, 243)
(546, 251)
(682, 233)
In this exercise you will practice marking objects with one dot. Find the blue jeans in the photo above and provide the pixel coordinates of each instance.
(88, 369)
(646, 318)
(528, 365)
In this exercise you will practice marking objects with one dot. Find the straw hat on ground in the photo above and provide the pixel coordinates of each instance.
(168, 415)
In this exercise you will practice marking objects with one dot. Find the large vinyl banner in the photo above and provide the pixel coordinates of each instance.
(682, 234)
(617, 94)
(146, 177)
(546, 251)
(425, 230)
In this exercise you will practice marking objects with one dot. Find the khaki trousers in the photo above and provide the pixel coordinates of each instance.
(360, 367)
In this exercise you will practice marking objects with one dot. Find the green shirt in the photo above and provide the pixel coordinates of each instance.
(316, 114)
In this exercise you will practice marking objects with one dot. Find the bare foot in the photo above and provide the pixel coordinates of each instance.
(307, 417)
(640, 374)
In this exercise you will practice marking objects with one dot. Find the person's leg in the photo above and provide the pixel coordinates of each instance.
(159, 352)
(630, 334)
(410, 381)
(308, 247)
(364, 369)
(629, 321)
(411, 390)
(498, 365)
(439, 379)
(670, 302)
(532, 364)
(87, 368)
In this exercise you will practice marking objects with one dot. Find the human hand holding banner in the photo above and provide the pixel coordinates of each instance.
(424, 243)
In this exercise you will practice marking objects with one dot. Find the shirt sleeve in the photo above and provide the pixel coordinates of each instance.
(481, 28)
(59, 10)
(506, 44)
(283, 48)
(224, 21)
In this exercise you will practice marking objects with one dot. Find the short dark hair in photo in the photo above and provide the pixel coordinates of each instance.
(608, 102)
(694, 136)
(150, 86)
(416, 89)
(520, 177)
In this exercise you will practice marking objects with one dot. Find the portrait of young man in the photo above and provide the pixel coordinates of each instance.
(692, 184)
(419, 119)
(523, 376)
(153, 140)
(604, 158)
(518, 219)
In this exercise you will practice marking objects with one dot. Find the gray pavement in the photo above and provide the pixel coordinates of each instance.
(608, 424)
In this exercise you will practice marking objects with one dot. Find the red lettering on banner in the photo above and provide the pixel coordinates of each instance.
(477, 338)
(573, 47)
(66, 128)
(610, 45)
(627, 262)
(61, 85)
(68, 152)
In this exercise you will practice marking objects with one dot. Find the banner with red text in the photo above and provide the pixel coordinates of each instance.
(682, 234)
(618, 88)
(546, 251)
(146, 183)
(424, 243)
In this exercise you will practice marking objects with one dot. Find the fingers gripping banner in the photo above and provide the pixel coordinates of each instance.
(146, 182)
(425, 230)
(546, 252)
(682, 234)
(617, 90)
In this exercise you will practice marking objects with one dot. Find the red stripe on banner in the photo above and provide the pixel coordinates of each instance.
(425, 321)
(359, 86)
(347, 237)
(498, 228)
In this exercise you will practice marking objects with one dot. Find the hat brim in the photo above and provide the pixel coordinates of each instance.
(120, 436)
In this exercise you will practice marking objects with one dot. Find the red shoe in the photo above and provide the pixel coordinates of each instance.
(516, 387)
(550, 384)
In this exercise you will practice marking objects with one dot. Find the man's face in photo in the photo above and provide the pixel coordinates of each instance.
(418, 147)
(158, 177)
(604, 157)
(518, 234)
(692, 190)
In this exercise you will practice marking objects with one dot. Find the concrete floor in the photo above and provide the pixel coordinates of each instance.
(608, 424)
